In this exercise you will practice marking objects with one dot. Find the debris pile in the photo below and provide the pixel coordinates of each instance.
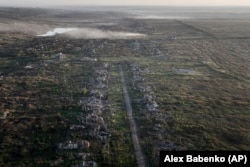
(90, 121)
(149, 98)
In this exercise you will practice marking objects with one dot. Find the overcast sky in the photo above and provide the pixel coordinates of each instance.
(38, 3)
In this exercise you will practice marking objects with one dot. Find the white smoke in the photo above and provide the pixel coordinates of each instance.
(57, 31)
(93, 33)
(21, 27)
(46, 30)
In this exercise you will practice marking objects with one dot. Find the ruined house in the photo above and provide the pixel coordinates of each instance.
(96, 94)
(68, 146)
(83, 144)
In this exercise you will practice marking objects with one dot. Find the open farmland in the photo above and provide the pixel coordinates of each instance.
(87, 95)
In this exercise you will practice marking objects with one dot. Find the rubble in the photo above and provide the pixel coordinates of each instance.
(57, 162)
(169, 146)
(100, 81)
(86, 164)
(68, 146)
(88, 59)
(4, 115)
(139, 83)
(152, 106)
(91, 119)
(29, 67)
(82, 155)
(83, 143)
(61, 56)
(72, 127)
(96, 93)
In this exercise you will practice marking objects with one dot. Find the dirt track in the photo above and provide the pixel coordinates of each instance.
(137, 147)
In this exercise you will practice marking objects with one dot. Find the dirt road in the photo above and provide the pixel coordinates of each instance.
(137, 147)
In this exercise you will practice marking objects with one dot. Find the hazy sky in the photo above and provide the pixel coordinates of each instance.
(37, 3)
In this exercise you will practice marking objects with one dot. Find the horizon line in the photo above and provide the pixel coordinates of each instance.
(51, 6)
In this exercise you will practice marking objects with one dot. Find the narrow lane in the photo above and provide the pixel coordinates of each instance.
(137, 147)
